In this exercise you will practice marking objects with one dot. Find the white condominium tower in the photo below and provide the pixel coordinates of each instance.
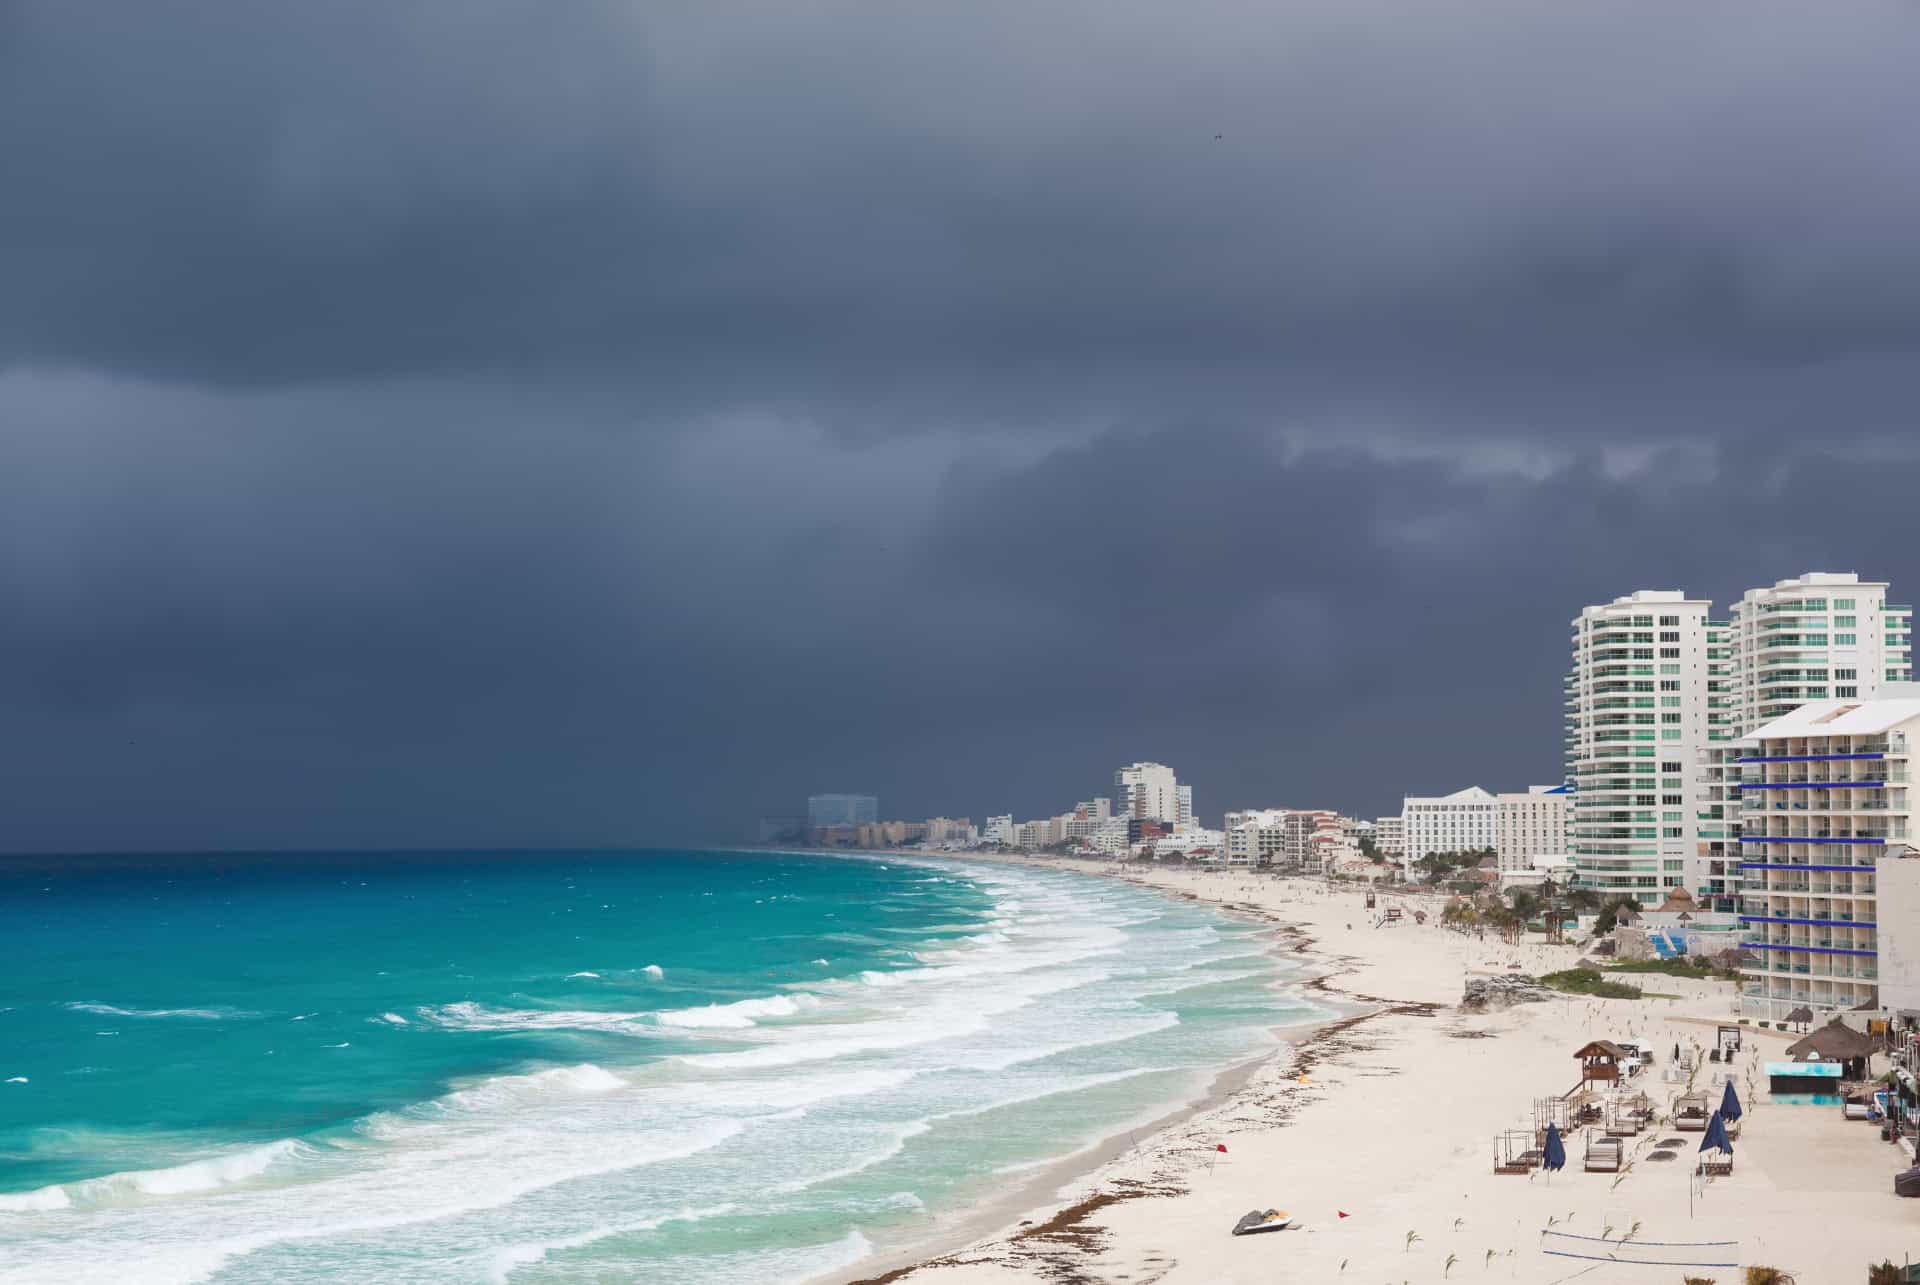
(1636, 712)
(1818, 636)
(1824, 635)
(1149, 791)
(1647, 665)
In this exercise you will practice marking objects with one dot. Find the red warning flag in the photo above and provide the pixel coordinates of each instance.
(1343, 1213)
(1221, 1147)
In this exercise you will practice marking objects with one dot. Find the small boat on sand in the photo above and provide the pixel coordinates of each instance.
(1262, 1220)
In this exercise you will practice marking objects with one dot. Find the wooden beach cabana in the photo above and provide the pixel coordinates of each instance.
(1602, 1062)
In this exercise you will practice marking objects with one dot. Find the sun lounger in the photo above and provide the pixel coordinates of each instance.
(1603, 1156)
(1717, 1166)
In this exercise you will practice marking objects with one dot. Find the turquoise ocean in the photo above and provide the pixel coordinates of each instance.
(643, 1066)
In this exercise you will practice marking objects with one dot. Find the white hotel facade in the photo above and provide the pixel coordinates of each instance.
(1825, 798)
(1459, 822)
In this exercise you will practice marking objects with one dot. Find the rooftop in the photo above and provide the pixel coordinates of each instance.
(1846, 717)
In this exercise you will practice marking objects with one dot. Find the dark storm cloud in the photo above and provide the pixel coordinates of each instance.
(513, 423)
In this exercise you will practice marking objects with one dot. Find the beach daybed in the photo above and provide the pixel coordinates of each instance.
(1690, 1112)
(1515, 1154)
(1716, 1165)
(1603, 1155)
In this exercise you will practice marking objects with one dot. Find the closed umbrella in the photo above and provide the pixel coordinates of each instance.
(1716, 1136)
(1730, 1103)
(1556, 1154)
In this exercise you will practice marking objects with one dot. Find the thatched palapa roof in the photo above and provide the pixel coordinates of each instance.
(1834, 1042)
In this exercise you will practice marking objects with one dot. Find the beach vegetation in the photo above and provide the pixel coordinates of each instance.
(1447, 1270)
(1588, 981)
(1683, 966)
(1884, 1273)
(1413, 1238)
(1768, 1276)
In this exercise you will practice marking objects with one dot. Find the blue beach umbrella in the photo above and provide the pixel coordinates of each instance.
(1556, 1156)
(1716, 1136)
(1730, 1103)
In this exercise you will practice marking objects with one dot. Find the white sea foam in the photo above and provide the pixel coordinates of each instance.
(18, 1079)
(740, 1014)
(506, 1261)
(469, 1016)
(500, 1091)
(392, 1019)
(134, 1185)
(341, 1045)
(654, 971)
(196, 1014)
(571, 976)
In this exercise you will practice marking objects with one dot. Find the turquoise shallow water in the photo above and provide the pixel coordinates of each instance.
(526, 1067)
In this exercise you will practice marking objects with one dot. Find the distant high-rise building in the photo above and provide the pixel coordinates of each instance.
(1149, 791)
(825, 811)
(1390, 836)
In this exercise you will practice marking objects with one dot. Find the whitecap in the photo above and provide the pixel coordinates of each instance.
(654, 971)
(821, 962)
(18, 1079)
(571, 976)
(341, 1045)
(392, 1019)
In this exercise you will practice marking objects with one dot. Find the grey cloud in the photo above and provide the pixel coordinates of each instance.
(522, 424)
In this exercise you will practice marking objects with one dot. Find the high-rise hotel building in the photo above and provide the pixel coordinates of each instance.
(1659, 692)
(1824, 800)
(1637, 716)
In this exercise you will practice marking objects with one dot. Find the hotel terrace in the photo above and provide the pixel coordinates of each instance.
(1824, 793)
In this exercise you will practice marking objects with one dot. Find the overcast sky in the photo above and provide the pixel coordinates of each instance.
(528, 423)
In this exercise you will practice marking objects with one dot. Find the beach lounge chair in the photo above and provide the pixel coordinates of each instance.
(1716, 1165)
(1690, 1112)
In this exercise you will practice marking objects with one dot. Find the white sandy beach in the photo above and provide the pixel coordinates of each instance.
(1392, 1119)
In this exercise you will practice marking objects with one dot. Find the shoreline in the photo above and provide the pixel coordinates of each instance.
(1376, 1131)
(1018, 1214)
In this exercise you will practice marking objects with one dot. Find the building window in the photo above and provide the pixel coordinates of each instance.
(1667, 622)
(1843, 640)
(1669, 669)
(1846, 691)
(1843, 622)
(1669, 653)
